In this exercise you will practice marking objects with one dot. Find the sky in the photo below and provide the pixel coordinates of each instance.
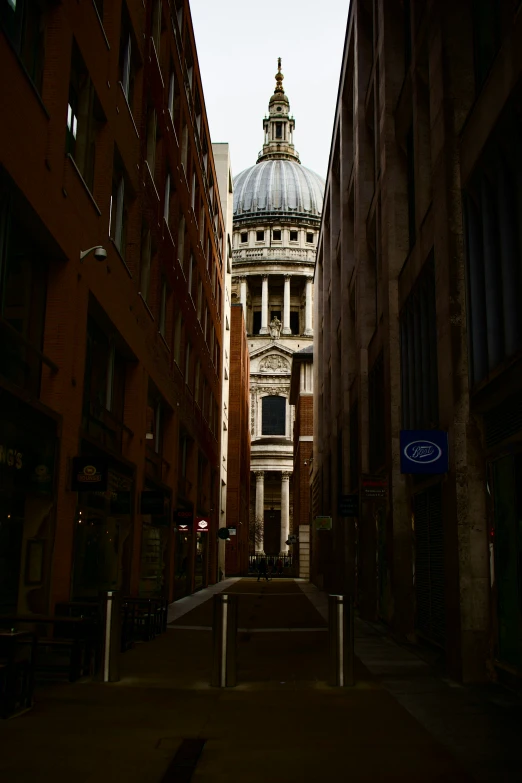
(238, 43)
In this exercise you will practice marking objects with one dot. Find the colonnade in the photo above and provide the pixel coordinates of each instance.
(286, 304)
(260, 510)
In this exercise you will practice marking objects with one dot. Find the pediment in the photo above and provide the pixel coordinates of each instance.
(274, 347)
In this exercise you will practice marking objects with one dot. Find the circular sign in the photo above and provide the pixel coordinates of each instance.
(223, 533)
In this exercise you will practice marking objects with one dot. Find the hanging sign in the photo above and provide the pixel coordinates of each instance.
(89, 474)
(223, 533)
(424, 451)
(374, 488)
(202, 524)
(323, 523)
(348, 505)
(183, 520)
(152, 502)
(232, 531)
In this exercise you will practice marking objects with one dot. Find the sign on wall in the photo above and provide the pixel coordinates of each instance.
(202, 524)
(374, 487)
(323, 523)
(183, 520)
(348, 505)
(89, 474)
(424, 451)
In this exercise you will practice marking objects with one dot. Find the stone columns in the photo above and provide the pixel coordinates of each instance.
(308, 308)
(243, 295)
(286, 307)
(264, 306)
(285, 510)
(260, 510)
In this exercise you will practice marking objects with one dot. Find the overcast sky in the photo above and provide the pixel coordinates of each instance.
(238, 43)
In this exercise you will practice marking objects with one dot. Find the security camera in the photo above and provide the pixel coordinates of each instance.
(100, 254)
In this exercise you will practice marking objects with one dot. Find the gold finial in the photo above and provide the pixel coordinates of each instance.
(279, 78)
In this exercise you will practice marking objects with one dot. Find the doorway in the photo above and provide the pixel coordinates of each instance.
(272, 538)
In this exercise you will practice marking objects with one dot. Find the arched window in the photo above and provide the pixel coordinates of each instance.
(274, 416)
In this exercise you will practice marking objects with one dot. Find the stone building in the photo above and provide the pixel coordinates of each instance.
(277, 208)
(418, 326)
(111, 280)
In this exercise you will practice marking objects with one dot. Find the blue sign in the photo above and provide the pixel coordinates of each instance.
(424, 451)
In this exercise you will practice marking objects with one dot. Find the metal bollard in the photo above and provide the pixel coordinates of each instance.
(340, 626)
(111, 636)
(224, 641)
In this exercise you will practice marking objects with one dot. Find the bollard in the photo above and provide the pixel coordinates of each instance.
(111, 636)
(224, 641)
(340, 626)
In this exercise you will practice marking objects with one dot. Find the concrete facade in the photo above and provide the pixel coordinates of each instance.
(116, 356)
(424, 89)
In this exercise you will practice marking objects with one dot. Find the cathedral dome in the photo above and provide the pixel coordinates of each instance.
(277, 189)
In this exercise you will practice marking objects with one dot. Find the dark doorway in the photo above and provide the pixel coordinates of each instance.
(294, 322)
(272, 538)
(256, 323)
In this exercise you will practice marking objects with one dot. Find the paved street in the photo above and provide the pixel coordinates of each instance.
(281, 723)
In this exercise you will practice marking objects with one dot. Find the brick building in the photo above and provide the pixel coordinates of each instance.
(301, 397)
(418, 325)
(238, 487)
(112, 356)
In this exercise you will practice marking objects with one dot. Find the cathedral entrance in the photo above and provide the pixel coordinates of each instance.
(272, 537)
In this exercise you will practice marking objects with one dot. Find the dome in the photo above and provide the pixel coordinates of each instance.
(278, 188)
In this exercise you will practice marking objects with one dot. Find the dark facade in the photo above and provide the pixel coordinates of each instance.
(301, 396)
(417, 289)
(238, 489)
(115, 356)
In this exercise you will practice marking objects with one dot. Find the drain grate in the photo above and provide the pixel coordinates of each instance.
(182, 766)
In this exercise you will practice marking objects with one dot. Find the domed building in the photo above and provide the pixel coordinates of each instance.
(277, 214)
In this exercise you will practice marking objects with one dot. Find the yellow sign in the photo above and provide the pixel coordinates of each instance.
(323, 523)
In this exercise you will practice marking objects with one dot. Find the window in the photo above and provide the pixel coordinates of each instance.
(151, 141)
(118, 206)
(190, 275)
(23, 22)
(487, 36)
(200, 300)
(419, 374)
(23, 283)
(163, 308)
(103, 387)
(128, 64)
(84, 118)
(294, 236)
(187, 364)
(166, 207)
(377, 421)
(260, 236)
(309, 237)
(193, 192)
(156, 27)
(184, 147)
(279, 130)
(256, 322)
(411, 187)
(172, 91)
(294, 322)
(181, 240)
(154, 421)
(178, 331)
(274, 415)
(244, 236)
(145, 263)
(276, 234)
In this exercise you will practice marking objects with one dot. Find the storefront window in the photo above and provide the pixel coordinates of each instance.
(200, 565)
(27, 460)
(102, 538)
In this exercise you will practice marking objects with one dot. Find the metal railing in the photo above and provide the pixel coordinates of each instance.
(287, 561)
(225, 639)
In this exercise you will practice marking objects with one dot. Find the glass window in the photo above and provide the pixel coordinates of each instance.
(294, 236)
(260, 236)
(276, 234)
(244, 236)
(23, 22)
(128, 63)
(118, 208)
(274, 415)
(309, 237)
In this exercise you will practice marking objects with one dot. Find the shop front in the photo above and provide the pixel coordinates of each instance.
(155, 508)
(103, 525)
(183, 560)
(28, 453)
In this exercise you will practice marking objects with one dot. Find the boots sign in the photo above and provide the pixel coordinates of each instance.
(424, 451)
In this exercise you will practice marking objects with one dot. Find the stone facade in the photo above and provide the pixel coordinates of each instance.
(277, 207)
(400, 298)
